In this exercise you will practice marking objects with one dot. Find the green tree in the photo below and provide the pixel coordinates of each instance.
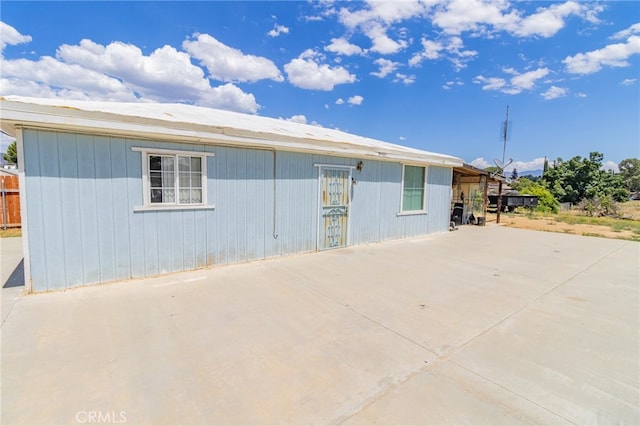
(580, 178)
(11, 156)
(630, 173)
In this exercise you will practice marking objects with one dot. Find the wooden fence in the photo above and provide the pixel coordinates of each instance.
(10, 206)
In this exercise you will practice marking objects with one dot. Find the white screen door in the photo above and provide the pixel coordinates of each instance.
(334, 207)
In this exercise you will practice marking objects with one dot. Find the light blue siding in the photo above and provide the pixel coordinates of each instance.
(81, 191)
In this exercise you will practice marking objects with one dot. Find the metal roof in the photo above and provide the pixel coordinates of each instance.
(194, 124)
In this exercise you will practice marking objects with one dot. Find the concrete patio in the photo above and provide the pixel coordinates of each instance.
(485, 325)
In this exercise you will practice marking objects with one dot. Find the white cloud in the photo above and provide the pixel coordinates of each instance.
(227, 64)
(611, 165)
(307, 73)
(339, 101)
(581, 95)
(490, 83)
(165, 73)
(555, 92)
(402, 138)
(10, 36)
(430, 50)
(526, 166)
(381, 42)
(459, 16)
(516, 84)
(229, 97)
(277, 30)
(120, 72)
(449, 84)
(527, 80)
(488, 16)
(614, 55)
(386, 12)
(404, 79)
(49, 77)
(451, 48)
(376, 18)
(299, 118)
(547, 21)
(386, 67)
(355, 100)
(480, 163)
(628, 81)
(621, 35)
(342, 47)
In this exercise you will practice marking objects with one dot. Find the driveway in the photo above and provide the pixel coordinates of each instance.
(485, 325)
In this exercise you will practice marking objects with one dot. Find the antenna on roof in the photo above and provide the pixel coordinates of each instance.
(505, 133)
(501, 165)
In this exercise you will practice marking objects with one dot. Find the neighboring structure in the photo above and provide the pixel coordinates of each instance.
(112, 191)
(469, 199)
(9, 197)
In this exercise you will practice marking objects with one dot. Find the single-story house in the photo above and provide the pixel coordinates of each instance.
(112, 191)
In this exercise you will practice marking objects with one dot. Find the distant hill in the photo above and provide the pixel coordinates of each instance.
(535, 173)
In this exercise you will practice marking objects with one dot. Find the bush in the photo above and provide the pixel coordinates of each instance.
(546, 201)
(599, 206)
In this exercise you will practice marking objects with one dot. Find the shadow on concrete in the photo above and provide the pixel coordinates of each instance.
(16, 279)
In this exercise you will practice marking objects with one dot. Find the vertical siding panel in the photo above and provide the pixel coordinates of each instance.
(200, 243)
(232, 205)
(121, 209)
(241, 204)
(212, 215)
(221, 206)
(104, 203)
(150, 239)
(172, 233)
(439, 198)
(71, 218)
(168, 247)
(259, 209)
(52, 204)
(33, 192)
(88, 209)
(269, 218)
(136, 219)
(189, 236)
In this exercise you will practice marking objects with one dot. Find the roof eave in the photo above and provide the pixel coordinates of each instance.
(23, 115)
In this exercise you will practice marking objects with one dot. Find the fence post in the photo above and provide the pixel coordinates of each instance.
(4, 207)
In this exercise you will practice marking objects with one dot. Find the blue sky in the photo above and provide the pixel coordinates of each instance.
(434, 74)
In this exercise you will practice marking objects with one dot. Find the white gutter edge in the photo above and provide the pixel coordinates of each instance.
(16, 115)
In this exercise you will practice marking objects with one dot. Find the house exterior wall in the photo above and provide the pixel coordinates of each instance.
(81, 191)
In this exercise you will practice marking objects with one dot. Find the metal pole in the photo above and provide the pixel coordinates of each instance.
(504, 150)
(499, 202)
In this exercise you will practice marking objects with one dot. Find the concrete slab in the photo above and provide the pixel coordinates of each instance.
(483, 325)
(11, 274)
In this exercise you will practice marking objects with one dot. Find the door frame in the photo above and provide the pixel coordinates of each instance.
(321, 168)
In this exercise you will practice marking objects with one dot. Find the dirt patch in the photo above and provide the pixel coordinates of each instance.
(550, 224)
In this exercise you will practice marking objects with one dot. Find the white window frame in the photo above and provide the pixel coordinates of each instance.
(424, 210)
(145, 153)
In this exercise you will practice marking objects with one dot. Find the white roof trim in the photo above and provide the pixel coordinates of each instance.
(192, 124)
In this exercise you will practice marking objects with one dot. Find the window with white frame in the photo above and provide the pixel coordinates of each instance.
(413, 188)
(175, 179)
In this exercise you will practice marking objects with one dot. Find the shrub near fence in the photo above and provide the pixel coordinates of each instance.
(10, 205)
